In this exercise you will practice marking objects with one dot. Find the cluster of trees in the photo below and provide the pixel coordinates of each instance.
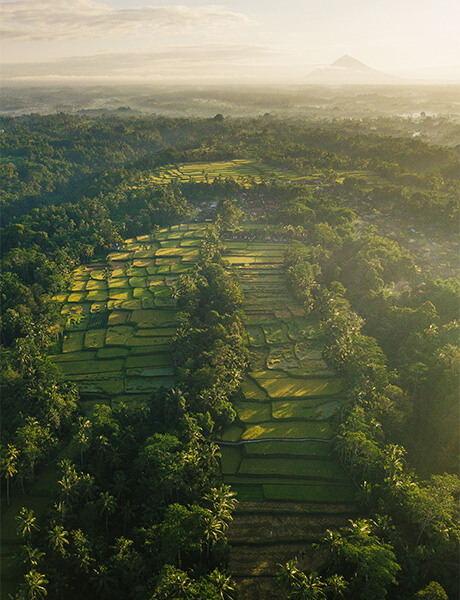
(209, 348)
(414, 522)
(39, 251)
(58, 158)
(140, 512)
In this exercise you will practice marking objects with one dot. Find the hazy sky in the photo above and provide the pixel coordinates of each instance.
(235, 41)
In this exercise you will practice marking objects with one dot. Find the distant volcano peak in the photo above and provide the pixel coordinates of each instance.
(348, 62)
(349, 70)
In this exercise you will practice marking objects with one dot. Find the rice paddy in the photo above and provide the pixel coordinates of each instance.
(120, 316)
(120, 320)
(279, 448)
(246, 172)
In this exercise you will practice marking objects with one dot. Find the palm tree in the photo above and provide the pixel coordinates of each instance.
(57, 537)
(337, 586)
(121, 485)
(108, 505)
(34, 585)
(83, 436)
(26, 523)
(289, 573)
(224, 585)
(103, 580)
(213, 532)
(332, 542)
(61, 509)
(128, 512)
(223, 501)
(32, 555)
(9, 467)
(313, 588)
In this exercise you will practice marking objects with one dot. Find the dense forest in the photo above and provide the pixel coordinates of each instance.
(140, 509)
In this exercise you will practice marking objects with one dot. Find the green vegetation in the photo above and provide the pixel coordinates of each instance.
(131, 343)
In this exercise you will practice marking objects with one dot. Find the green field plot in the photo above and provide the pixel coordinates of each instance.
(309, 350)
(136, 272)
(303, 409)
(160, 270)
(119, 256)
(275, 333)
(76, 297)
(120, 294)
(118, 283)
(313, 468)
(310, 368)
(190, 243)
(76, 321)
(155, 281)
(112, 352)
(97, 274)
(232, 433)
(98, 307)
(150, 372)
(290, 387)
(260, 375)
(147, 384)
(94, 284)
(96, 366)
(291, 429)
(139, 341)
(78, 285)
(119, 335)
(97, 296)
(154, 318)
(154, 348)
(253, 412)
(95, 377)
(144, 258)
(252, 391)
(258, 358)
(294, 448)
(114, 305)
(323, 492)
(158, 332)
(86, 355)
(256, 335)
(95, 338)
(60, 298)
(142, 294)
(110, 387)
(299, 329)
(131, 304)
(282, 358)
(138, 282)
(73, 342)
(248, 493)
(118, 317)
(180, 268)
(230, 459)
(98, 319)
(149, 360)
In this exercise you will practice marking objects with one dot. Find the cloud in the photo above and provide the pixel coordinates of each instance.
(201, 63)
(48, 20)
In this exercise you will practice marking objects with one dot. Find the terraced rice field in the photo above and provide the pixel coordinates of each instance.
(277, 455)
(121, 316)
(245, 171)
(279, 448)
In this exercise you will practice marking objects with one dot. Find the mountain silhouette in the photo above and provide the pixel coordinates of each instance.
(349, 70)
